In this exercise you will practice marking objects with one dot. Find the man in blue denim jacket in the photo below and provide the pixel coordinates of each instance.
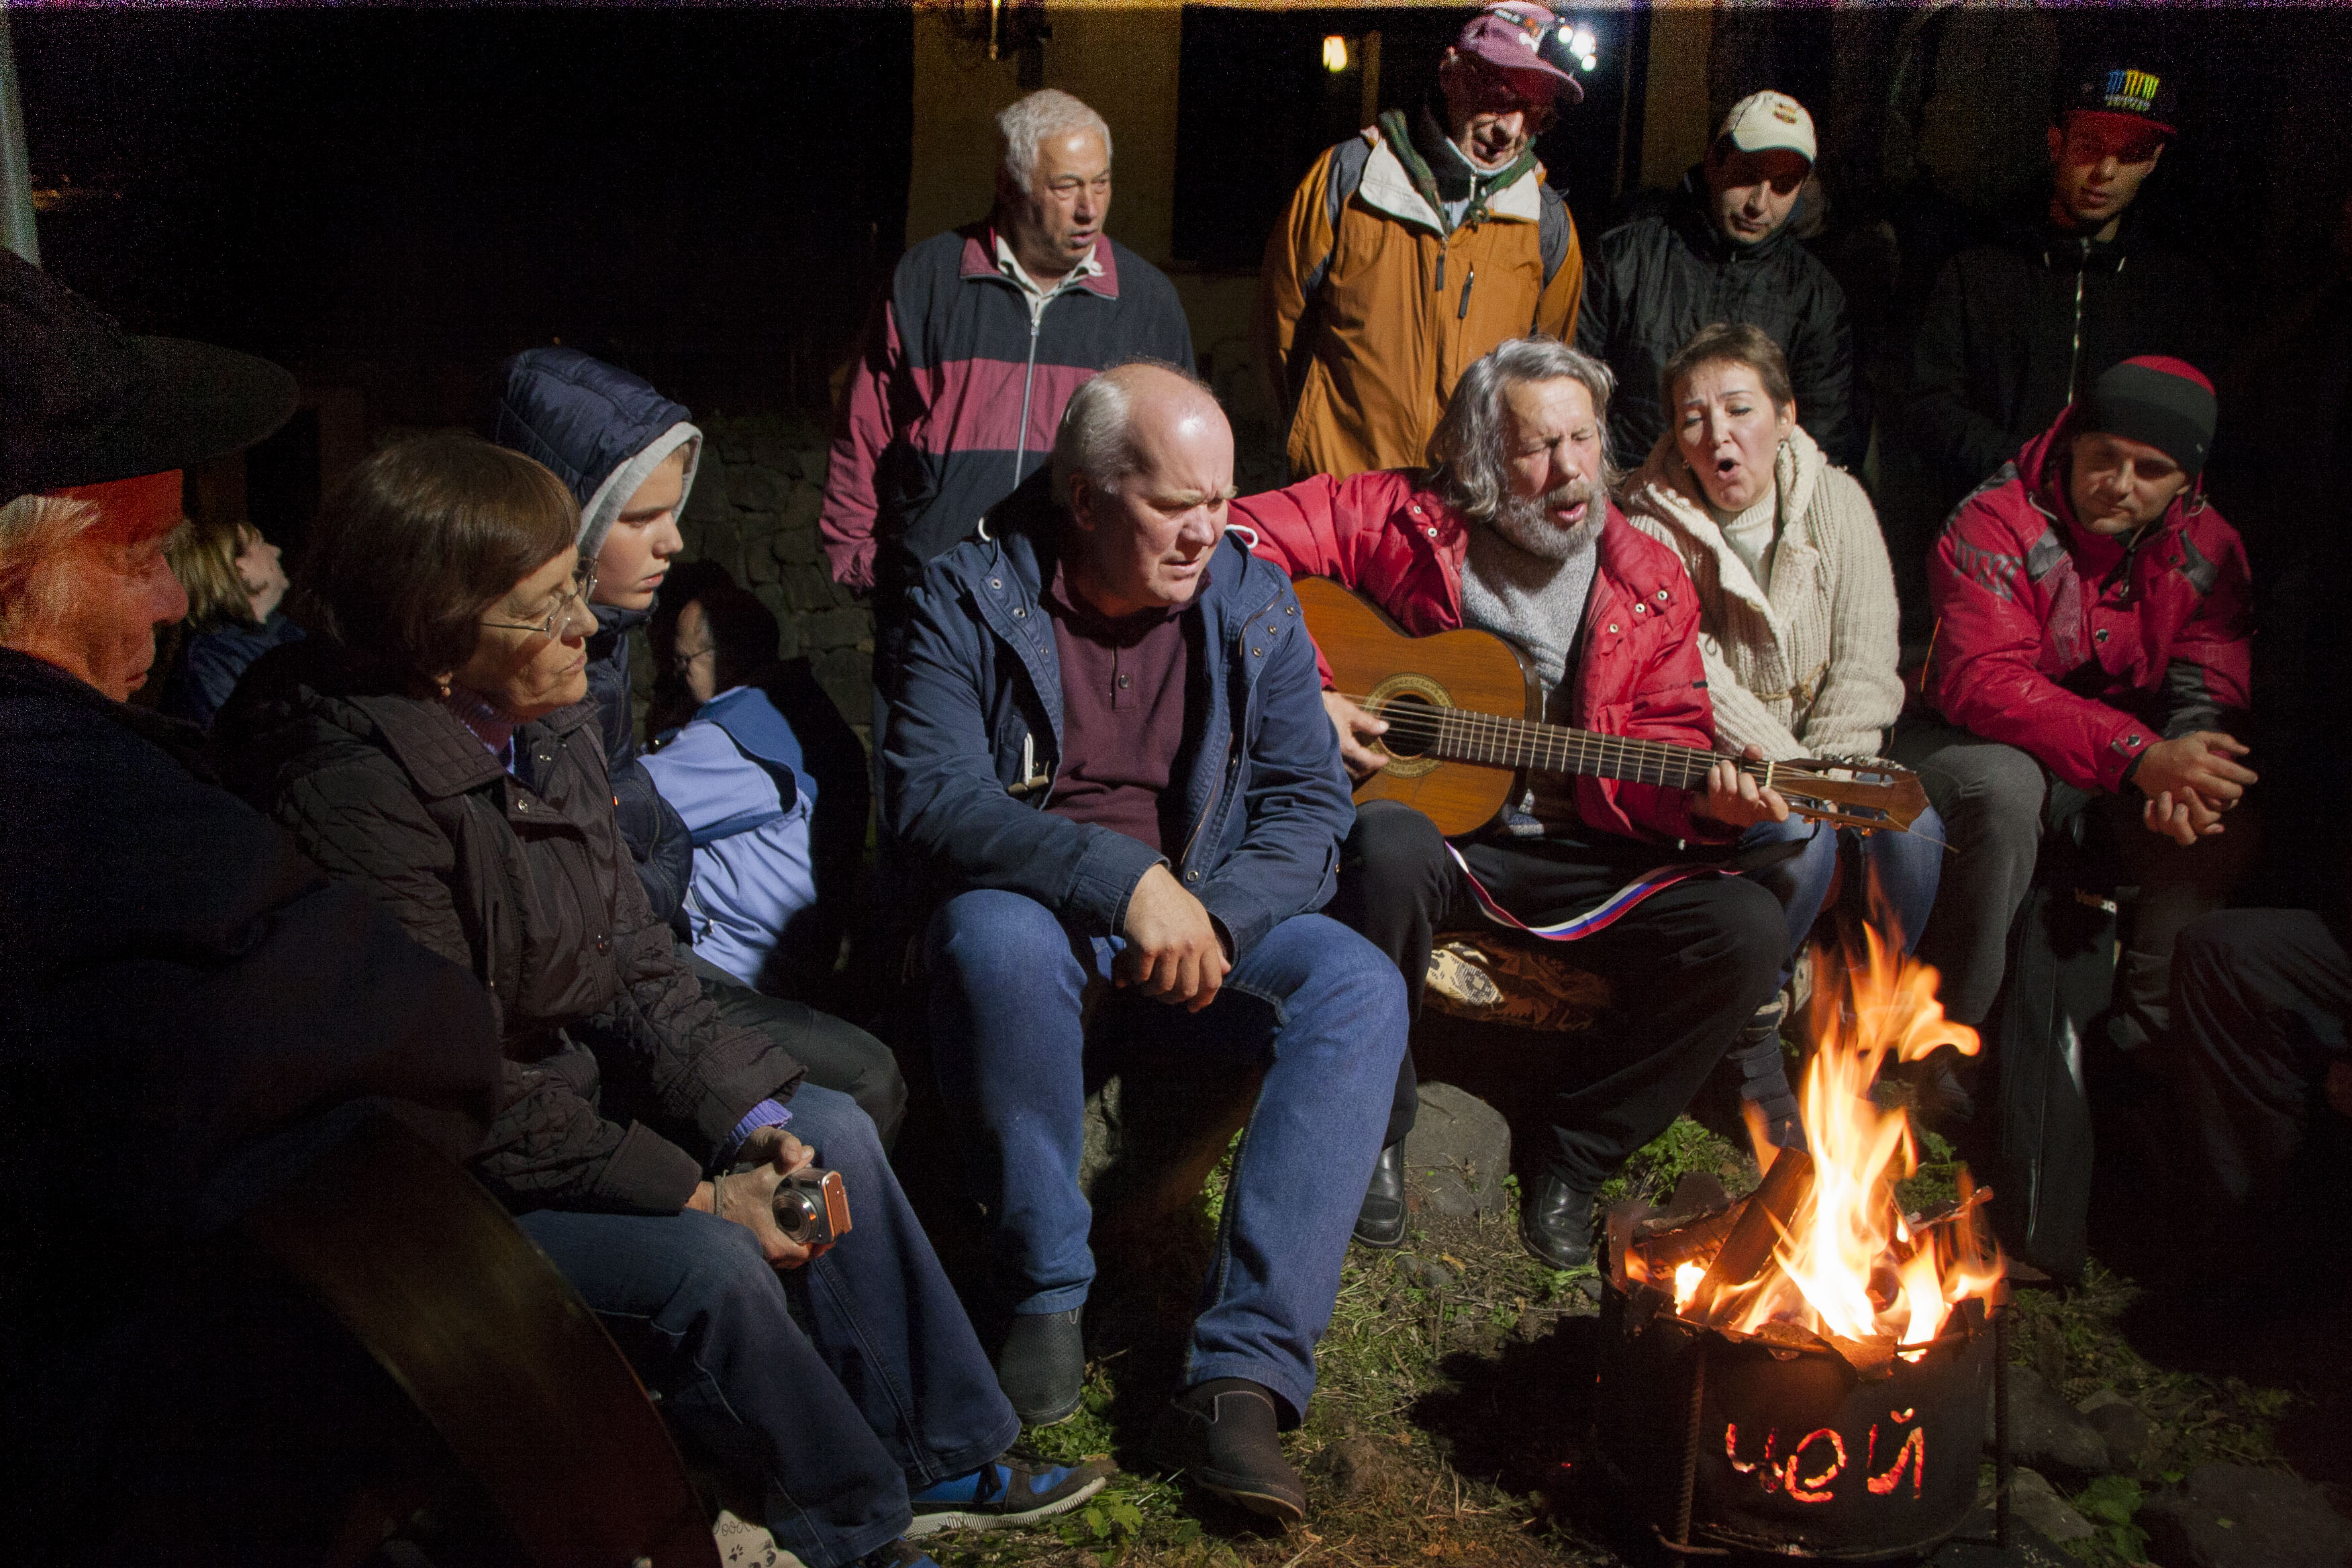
(1107, 748)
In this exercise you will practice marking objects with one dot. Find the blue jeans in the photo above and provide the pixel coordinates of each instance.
(841, 1386)
(1908, 864)
(1011, 988)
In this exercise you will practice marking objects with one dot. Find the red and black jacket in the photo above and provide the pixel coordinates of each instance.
(932, 433)
(2077, 648)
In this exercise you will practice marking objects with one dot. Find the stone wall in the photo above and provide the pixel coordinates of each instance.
(753, 510)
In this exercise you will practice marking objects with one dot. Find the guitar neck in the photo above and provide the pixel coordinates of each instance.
(1461, 735)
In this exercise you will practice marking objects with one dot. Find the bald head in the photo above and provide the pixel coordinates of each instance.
(1144, 464)
(1111, 418)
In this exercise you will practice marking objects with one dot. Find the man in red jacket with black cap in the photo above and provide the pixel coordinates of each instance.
(2091, 656)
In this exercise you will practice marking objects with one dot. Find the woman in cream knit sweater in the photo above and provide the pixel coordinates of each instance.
(1797, 614)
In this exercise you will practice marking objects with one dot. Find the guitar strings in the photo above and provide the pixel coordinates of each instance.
(1496, 739)
(1521, 741)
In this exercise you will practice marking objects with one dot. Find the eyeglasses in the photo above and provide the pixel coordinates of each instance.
(680, 658)
(583, 582)
(1492, 92)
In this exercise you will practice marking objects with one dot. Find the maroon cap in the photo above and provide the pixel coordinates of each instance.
(1524, 39)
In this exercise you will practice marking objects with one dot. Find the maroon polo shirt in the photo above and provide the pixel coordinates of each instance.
(1123, 696)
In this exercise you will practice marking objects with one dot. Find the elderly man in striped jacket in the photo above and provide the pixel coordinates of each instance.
(974, 351)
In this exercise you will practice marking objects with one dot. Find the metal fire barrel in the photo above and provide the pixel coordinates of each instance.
(1793, 1452)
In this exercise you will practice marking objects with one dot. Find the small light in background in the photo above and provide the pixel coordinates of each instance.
(1335, 53)
(1587, 47)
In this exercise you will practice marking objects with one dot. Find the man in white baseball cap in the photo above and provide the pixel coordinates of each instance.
(1720, 252)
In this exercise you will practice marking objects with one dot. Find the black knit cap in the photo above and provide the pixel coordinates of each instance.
(2165, 402)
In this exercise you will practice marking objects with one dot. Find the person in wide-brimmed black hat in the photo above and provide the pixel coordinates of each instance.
(181, 988)
(96, 424)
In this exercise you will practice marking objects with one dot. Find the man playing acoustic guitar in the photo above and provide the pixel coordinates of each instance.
(1512, 531)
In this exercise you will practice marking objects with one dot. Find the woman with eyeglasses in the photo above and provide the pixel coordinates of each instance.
(433, 741)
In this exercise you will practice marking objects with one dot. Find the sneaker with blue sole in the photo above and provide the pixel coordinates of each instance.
(1012, 1489)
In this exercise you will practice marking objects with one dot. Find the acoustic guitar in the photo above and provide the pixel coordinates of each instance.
(1465, 717)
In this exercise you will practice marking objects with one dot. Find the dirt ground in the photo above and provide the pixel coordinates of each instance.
(1454, 1394)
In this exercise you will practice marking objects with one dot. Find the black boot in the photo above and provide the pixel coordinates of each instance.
(1556, 1223)
(1042, 1367)
(1381, 1221)
(1939, 1093)
(1225, 1435)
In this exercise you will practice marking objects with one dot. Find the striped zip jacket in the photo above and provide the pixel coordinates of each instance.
(960, 388)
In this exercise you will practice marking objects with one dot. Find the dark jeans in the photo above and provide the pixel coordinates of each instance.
(2259, 1002)
(1687, 965)
(1997, 802)
(838, 1055)
(1907, 867)
(1012, 993)
(841, 1386)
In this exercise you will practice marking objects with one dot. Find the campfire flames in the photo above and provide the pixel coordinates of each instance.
(1844, 1263)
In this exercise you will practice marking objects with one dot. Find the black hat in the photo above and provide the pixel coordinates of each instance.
(83, 402)
(2165, 402)
(2127, 91)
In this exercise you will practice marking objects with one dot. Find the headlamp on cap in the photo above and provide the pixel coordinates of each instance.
(1528, 39)
(1565, 47)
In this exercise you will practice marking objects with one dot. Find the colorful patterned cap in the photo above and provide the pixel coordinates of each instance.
(2127, 91)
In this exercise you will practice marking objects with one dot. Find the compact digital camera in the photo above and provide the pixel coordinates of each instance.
(812, 1208)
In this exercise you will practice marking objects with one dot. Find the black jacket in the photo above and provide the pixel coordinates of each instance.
(206, 668)
(178, 982)
(620, 1082)
(659, 844)
(2016, 329)
(1653, 282)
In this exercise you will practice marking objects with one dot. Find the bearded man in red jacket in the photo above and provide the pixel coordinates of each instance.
(1512, 531)
(2091, 657)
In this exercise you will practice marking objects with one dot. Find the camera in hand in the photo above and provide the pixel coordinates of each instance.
(812, 1208)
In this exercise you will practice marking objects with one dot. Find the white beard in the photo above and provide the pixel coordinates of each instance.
(1525, 521)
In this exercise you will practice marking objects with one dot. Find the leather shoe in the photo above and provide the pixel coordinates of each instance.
(1043, 1367)
(1939, 1099)
(1556, 1224)
(1225, 1435)
(1381, 1221)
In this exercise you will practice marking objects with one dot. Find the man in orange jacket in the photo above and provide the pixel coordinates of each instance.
(1417, 247)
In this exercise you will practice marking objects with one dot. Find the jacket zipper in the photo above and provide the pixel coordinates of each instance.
(1029, 372)
(1028, 379)
(2075, 353)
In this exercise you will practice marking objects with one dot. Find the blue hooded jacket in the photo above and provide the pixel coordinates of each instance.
(603, 432)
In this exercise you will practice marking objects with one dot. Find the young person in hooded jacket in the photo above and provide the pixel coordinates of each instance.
(2019, 329)
(433, 742)
(628, 454)
(2091, 659)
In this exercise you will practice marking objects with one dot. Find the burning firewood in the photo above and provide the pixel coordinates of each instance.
(1764, 1219)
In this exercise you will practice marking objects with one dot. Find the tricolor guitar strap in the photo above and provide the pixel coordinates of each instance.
(1617, 905)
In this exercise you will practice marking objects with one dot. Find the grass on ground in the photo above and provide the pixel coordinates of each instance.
(1452, 1393)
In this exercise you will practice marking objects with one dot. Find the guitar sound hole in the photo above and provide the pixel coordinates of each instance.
(1413, 724)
